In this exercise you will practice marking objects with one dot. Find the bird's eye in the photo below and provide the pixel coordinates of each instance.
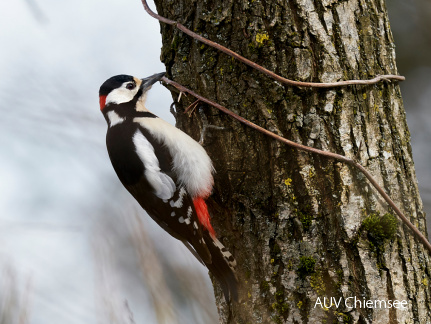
(130, 86)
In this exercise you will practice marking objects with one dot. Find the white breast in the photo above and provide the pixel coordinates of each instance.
(191, 163)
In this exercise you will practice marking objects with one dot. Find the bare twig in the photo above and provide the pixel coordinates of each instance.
(260, 68)
(330, 155)
(172, 110)
(192, 107)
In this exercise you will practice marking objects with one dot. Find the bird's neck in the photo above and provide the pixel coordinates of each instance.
(120, 114)
(140, 103)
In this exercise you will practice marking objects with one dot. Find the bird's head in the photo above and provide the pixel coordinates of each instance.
(123, 89)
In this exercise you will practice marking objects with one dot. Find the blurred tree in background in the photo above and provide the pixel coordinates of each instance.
(411, 22)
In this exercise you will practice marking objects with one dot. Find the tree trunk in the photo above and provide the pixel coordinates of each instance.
(303, 227)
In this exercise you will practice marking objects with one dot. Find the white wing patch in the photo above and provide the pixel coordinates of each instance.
(191, 163)
(189, 215)
(164, 186)
(179, 202)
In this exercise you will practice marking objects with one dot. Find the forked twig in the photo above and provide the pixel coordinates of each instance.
(331, 155)
(192, 107)
(260, 68)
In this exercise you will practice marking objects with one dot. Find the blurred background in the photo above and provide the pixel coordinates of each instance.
(74, 247)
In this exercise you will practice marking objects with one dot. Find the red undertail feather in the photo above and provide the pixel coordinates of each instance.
(102, 102)
(203, 215)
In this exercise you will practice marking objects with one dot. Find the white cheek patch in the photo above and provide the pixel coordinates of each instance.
(164, 186)
(121, 95)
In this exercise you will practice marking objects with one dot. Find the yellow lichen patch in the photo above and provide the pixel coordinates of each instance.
(261, 37)
(425, 282)
(317, 283)
(288, 182)
(299, 304)
(311, 172)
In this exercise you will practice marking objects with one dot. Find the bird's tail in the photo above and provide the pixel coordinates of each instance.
(222, 266)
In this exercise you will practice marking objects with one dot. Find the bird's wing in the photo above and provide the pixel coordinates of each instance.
(144, 166)
(158, 191)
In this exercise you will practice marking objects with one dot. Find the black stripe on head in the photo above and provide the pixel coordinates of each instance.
(114, 83)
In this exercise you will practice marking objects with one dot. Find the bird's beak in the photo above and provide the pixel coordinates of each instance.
(149, 81)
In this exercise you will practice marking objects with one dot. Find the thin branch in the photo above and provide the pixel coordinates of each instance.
(192, 107)
(330, 155)
(260, 68)
(256, 66)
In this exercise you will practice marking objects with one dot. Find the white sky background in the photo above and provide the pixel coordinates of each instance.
(55, 174)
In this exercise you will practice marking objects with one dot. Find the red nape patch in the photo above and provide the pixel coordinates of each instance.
(102, 101)
(203, 215)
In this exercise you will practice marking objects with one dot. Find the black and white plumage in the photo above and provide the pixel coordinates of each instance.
(166, 171)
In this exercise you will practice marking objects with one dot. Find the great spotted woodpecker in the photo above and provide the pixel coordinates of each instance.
(166, 171)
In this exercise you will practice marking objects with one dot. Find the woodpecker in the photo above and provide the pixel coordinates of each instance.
(166, 171)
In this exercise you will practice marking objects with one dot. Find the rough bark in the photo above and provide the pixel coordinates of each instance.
(299, 225)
